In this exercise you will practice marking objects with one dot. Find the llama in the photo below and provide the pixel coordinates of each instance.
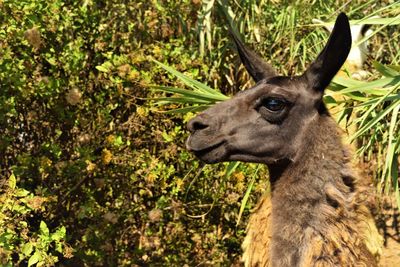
(314, 215)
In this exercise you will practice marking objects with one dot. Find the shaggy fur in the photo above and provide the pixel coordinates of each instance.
(314, 217)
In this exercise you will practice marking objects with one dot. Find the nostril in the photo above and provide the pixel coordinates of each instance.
(196, 124)
(199, 125)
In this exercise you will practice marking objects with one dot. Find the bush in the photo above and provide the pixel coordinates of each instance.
(94, 174)
(103, 175)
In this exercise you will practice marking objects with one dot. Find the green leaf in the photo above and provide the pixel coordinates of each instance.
(59, 234)
(394, 67)
(105, 67)
(52, 61)
(118, 141)
(397, 194)
(385, 70)
(193, 94)
(247, 195)
(167, 137)
(382, 21)
(375, 120)
(195, 85)
(188, 109)
(378, 87)
(231, 168)
(59, 247)
(329, 100)
(35, 258)
(12, 182)
(378, 20)
(391, 168)
(27, 249)
(346, 82)
(388, 98)
(44, 230)
(102, 69)
(21, 192)
(179, 100)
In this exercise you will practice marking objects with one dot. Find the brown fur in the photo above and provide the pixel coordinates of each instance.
(335, 234)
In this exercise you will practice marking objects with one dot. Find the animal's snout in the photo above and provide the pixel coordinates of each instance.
(197, 123)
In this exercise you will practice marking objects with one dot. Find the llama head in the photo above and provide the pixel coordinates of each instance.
(268, 122)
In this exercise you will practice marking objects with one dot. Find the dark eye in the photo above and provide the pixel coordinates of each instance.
(274, 104)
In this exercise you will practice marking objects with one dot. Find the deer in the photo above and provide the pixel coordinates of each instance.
(314, 215)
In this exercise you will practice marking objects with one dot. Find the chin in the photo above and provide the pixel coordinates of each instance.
(209, 160)
(214, 156)
(268, 160)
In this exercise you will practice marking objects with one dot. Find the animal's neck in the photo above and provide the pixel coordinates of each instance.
(321, 155)
(301, 190)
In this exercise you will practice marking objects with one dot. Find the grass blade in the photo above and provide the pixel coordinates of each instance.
(375, 120)
(247, 195)
(190, 93)
(195, 85)
(390, 169)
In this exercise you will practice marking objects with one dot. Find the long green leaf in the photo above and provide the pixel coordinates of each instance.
(387, 98)
(375, 120)
(187, 109)
(231, 168)
(366, 114)
(195, 85)
(371, 87)
(178, 100)
(347, 82)
(384, 21)
(190, 93)
(385, 70)
(247, 195)
(390, 168)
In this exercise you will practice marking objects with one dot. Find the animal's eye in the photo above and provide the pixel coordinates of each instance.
(273, 108)
(274, 104)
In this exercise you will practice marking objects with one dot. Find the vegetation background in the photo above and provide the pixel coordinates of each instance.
(93, 173)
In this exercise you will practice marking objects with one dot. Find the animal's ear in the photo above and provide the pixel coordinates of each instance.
(255, 65)
(320, 73)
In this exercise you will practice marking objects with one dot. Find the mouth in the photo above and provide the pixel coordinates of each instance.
(210, 154)
(207, 150)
